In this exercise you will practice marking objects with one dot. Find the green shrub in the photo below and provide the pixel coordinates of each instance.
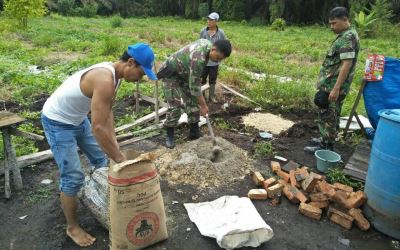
(279, 24)
(66, 7)
(364, 23)
(116, 21)
(89, 9)
(31, 8)
(111, 46)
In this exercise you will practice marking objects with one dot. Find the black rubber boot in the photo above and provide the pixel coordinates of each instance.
(170, 141)
(194, 131)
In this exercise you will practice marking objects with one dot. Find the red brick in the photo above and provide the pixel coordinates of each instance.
(361, 222)
(258, 179)
(301, 173)
(340, 217)
(258, 194)
(318, 197)
(338, 197)
(292, 177)
(310, 211)
(267, 183)
(356, 199)
(275, 190)
(301, 197)
(342, 187)
(283, 175)
(290, 193)
(284, 183)
(309, 183)
(275, 166)
(319, 204)
(324, 187)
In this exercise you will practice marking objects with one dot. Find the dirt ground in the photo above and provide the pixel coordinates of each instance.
(44, 225)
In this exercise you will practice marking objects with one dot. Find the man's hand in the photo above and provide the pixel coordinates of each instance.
(334, 95)
(203, 110)
(203, 105)
(120, 158)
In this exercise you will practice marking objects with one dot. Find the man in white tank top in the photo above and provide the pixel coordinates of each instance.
(65, 123)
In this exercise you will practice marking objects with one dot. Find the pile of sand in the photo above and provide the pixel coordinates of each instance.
(190, 163)
(267, 122)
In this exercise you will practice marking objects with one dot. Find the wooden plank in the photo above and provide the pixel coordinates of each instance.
(150, 117)
(10, 159)
(357, 166)
(237, 93)
(31, 159)
(28, 135)
(7, 118)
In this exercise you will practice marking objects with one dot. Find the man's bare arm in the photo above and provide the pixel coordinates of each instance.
(103, 118)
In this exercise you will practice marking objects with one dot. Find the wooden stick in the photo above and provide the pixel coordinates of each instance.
(28, 135)
(31, 159)
(237, 93)
(354, 108)
(156, 106)
(137, 108)
(7, 188)
(11, 159)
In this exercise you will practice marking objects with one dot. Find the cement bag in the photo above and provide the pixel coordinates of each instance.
(234, 222)
(137, 215)
(95, 193)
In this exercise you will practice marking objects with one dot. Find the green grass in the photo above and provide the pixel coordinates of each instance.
(263, 149)
(63, 45)
(337, 175)
(40, 194)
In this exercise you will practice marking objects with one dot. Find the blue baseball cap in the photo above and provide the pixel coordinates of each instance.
(144, 56)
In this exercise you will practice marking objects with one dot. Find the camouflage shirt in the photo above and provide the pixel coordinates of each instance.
(188, 64)
(345, 46)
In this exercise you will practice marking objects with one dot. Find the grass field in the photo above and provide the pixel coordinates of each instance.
(62, 45)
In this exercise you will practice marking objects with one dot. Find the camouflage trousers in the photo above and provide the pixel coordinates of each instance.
(328, 121)
(174, 91)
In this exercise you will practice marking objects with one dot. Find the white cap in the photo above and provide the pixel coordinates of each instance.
(214, 16)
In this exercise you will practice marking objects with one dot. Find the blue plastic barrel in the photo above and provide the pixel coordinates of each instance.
(382, 185)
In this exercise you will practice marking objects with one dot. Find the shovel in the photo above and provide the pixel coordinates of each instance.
(215, 150)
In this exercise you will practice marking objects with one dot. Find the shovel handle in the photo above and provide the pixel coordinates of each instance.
(210, 129)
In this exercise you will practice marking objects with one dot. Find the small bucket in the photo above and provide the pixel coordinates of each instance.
(326, 159)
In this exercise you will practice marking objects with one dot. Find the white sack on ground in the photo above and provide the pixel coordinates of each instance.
(233, 221)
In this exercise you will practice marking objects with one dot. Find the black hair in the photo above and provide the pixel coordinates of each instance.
(125, 56)
(223, 46)
(338, 12)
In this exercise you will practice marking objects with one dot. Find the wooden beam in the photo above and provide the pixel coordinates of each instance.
(31, 159)
(28, 135)
(237, 93)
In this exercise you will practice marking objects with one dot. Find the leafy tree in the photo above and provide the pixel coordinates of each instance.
(382, 10)
(24, 9)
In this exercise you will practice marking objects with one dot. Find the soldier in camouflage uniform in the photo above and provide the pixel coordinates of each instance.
(182, 75)
(335, 77)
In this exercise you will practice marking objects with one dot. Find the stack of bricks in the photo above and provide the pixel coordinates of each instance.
(313, 194)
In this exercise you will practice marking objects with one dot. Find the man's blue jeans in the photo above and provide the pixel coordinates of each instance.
(64, 140)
